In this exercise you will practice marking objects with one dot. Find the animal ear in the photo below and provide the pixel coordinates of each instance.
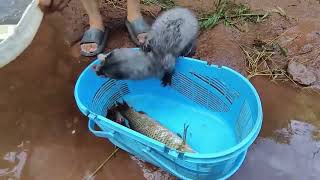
(103, 56)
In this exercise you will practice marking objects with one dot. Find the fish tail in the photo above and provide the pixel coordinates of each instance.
(185, 130)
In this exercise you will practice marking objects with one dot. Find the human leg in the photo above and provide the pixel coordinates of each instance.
(93, 40)
(135, 23)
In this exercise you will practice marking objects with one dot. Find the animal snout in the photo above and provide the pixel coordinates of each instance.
(98, 70)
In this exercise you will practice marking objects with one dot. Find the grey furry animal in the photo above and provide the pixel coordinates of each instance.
(173, 34)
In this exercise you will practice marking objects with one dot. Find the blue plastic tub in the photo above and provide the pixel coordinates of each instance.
(221, 107)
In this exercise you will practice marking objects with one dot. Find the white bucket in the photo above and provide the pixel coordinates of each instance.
(16, 38)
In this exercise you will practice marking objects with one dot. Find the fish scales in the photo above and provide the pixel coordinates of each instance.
(140, 122)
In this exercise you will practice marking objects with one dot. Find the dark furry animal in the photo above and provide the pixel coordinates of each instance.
(127, 63)
(173, 34)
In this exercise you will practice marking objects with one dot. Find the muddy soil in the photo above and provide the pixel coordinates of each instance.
(44, 136)
(217, 46)
(295, 28)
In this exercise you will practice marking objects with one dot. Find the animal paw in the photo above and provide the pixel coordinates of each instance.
(166, 79)
(146, 47)
(190, 50)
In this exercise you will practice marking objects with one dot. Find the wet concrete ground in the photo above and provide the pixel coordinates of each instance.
(44, 136)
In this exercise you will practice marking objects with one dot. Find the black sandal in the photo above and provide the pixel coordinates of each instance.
(97, 36)
(137, 27)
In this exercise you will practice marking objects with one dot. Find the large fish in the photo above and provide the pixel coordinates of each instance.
(143, 124)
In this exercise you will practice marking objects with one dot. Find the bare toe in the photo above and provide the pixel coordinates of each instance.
(89, 47)
(93, 47)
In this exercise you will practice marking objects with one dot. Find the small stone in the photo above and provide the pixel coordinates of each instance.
(316, 87)
(306, 49)
(12, 87)
(75, 120)
(300, 73)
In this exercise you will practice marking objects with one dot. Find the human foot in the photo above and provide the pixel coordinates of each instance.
(138, 29)
(93, 41)
(87, 46)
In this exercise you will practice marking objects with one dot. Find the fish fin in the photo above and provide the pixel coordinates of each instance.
(119, 118)
(178, 134)
(117, 103)
(127, 123)
(124, 102)
(141, 112)
(185, 130)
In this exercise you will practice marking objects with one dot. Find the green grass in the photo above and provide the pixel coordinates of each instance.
(165, 4)
(230, 14)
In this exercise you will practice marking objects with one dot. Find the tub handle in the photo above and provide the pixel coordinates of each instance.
(158, 161)
(102, 134)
